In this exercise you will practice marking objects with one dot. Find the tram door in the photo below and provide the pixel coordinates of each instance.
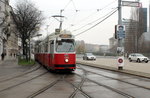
(51, 53)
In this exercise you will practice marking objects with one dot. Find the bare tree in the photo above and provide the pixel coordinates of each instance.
(27, 19)
(80, 46)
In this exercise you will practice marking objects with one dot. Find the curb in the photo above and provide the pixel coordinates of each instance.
(136, 73)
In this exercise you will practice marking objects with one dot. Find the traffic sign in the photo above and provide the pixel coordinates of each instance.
(120, 62)
(120, 50)
(119, 31)
(131, 3)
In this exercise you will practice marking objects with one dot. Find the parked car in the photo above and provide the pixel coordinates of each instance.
(89, 56)
(138, 58)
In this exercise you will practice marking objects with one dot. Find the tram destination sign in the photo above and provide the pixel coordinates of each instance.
(65, 35)
(131, 3)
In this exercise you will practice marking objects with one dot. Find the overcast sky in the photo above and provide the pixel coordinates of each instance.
(81, 15)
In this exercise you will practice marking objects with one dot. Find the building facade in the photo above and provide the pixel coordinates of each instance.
(131, 35)
(8, 37)
(112, 45)
(3, 16)
(139, 26)
(134, 29)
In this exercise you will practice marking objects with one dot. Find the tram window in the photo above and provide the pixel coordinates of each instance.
(41, 48)
(65, 45)
(59, 43)
(46, 47)
(38, 50)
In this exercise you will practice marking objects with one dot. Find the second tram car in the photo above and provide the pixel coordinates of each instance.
(57, 52)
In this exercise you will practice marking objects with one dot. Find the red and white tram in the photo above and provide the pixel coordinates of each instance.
(57, 52)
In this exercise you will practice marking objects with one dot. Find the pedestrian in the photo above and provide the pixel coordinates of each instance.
(14, 55)
(2, 56)
(11, 54)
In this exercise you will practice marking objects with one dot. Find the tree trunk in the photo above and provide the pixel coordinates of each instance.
(26, 48)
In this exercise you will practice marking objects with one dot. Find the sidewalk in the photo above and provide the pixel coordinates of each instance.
(9, 67)
(140, 69)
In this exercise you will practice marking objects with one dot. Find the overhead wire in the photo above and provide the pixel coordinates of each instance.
(93, 21)
(98, 22)
(67, 4)
(108, 4)
(62, 10)
(89, 15)
(98, 10)
(74, 6)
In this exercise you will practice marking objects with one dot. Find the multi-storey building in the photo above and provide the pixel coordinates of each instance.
(104, 48)
(131, 35)
(8, 37)
(91, 47)
(135, 27)
(3, 15)
(138, 26)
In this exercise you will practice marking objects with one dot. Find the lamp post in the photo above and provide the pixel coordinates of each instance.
(30, 44)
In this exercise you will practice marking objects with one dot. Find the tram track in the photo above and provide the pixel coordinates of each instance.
(40, 91)
(105, 86)
(63, 78)
(15, 85)
(147, 88)
(79, 88)
(20, 75)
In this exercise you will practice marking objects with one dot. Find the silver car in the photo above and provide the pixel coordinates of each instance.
(89, 56)
(138, 58)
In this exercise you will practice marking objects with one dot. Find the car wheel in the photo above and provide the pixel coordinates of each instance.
(146, 61)
(130, 60)
(138, 60)
(87, 58)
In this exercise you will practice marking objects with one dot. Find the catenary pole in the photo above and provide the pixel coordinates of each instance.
(120, 40)
(120, 43)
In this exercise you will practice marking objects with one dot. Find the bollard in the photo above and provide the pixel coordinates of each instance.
(120, 62)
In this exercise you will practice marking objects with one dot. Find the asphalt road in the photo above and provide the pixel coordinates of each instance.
(112, 62)
(85, 82)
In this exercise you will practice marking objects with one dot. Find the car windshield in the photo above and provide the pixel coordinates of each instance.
(65, 45)
(89, 54)
(139, 55)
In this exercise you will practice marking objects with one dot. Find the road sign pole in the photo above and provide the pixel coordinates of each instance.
(119, 13)
(119, 21)
(121, 37)
(120, 62)
(120, 40)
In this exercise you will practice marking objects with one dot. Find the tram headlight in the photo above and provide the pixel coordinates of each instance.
(66, 60)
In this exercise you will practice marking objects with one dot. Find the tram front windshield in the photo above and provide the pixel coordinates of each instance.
(65, 45)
